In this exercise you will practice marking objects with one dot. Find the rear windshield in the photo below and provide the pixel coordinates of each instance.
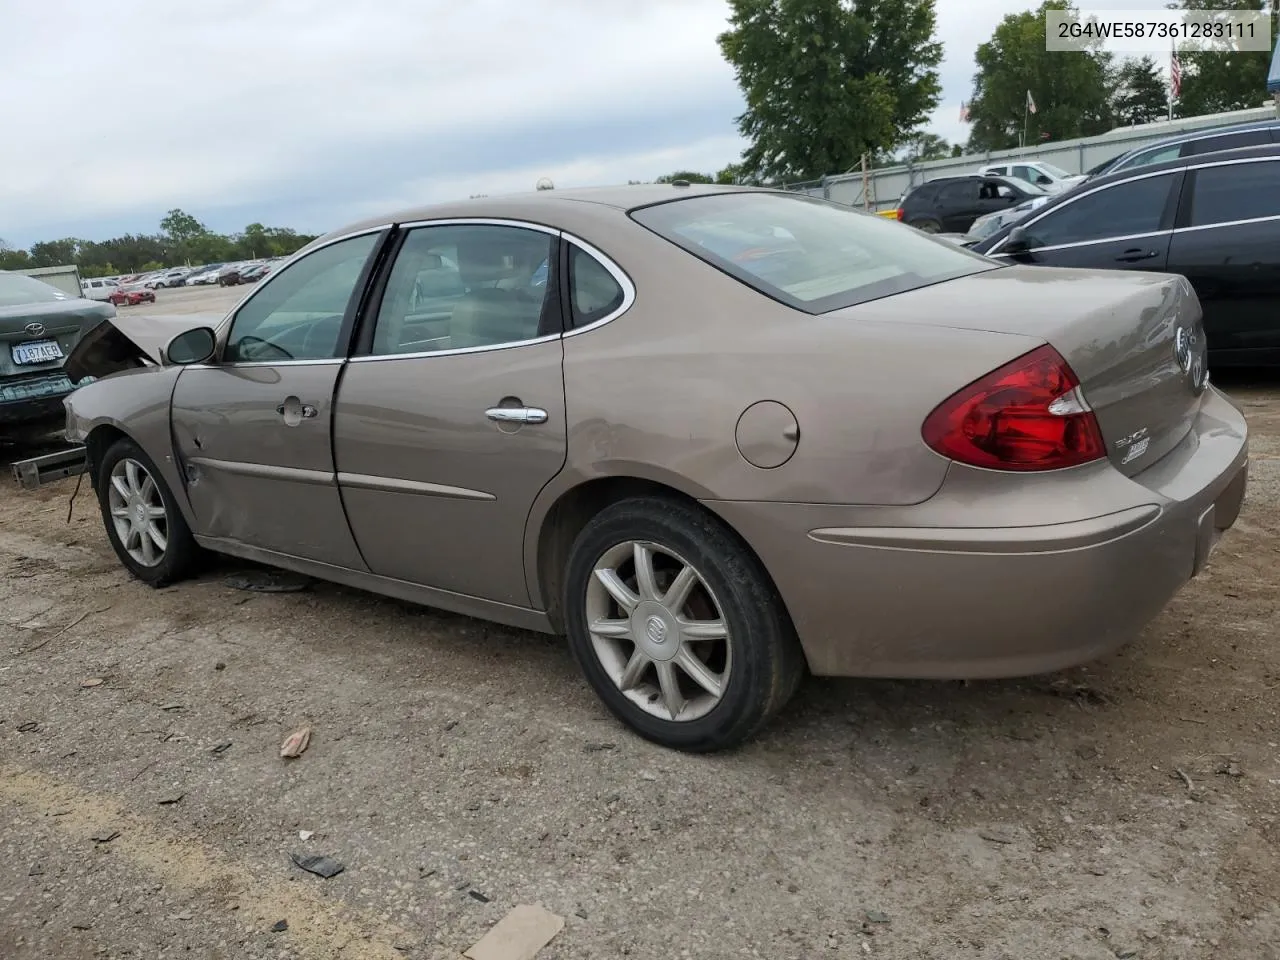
(17, 289)
(810, 254)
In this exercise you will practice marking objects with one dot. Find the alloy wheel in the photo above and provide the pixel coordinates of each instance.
(138, 512)
(658, 631)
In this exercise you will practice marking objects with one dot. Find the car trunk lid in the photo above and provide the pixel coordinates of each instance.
(28, 325)
(1135, 340)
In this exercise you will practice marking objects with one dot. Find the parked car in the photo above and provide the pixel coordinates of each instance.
(1214, 218)
(951, 204)
(1194, 143)
(39, 327)
(172, 278)
(1052, 179)
(132, 295)
(988, 224)
(98, 288)
(877, 454)
(232, 275)
(255, 273)
(204, 275)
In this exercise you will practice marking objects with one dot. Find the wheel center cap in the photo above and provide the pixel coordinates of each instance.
(656, 629)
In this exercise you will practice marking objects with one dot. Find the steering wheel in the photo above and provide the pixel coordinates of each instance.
(251, 348)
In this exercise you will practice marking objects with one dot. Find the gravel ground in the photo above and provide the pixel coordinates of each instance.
(457, 769)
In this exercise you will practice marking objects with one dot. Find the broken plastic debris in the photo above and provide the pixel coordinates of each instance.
(280, 926)
(321, 866)
(517, 936)
(296, 743)
(306, 834)
(268, 581)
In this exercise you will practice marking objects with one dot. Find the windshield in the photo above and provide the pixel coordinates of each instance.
(1053, 171)
(813, 255)
(17, 289)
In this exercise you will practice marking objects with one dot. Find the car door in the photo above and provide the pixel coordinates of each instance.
(1123, 226)
(451, 418)
(1228, 246)
(958, 205)
(253, 427)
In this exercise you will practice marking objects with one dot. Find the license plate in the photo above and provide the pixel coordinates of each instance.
(38, 351)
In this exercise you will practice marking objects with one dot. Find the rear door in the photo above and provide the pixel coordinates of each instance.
(1125, 226)
(1228, 246)
(958, 205)
(451, 418)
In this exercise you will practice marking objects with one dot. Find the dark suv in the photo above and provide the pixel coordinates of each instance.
(951, 204)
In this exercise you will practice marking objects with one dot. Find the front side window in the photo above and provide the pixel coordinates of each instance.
(812, 255)
(1238, 191)
(298, 313)
(1125, 209)
(457, 286)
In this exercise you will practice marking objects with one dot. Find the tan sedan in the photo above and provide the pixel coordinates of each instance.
(714, 435)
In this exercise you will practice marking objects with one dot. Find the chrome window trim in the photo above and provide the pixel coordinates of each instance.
(482, 222)
(1228, 223)
(325, 362)
(1088, 193)
(1089, 243)
(423, 355)
(618, 274)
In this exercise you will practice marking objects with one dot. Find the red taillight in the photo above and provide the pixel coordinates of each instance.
(898, 213)
(1027, 415)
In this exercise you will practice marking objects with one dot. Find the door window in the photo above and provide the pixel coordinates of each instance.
(958, 194)
(298, 313)
(594, 292)
(1239, 191)
(1230, 141)
(1155, 156)
(468, 285)
(1122, 210)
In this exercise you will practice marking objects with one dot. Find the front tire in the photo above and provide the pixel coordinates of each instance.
(145, 526)
(677, 626)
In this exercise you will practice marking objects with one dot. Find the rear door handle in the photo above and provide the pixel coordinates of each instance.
(1134, 255)
(516, 414)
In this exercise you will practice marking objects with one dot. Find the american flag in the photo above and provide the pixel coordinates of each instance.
(1175, 74)
(964, 112)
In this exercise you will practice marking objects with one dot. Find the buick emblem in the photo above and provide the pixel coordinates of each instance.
(34, 329)
(1182, 349)
(656, 630)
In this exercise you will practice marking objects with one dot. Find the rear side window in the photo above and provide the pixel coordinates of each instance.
(1238, 191)
(962, 192)
(1125, 209)
(593, 291)
(809, 254)
(1155, 156)
(17, 289)
(1250, 138)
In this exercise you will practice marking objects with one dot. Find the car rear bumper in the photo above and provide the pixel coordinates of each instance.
(33, 399)
(894, 592)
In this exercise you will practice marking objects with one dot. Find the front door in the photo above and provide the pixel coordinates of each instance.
(451, 418)
(253, 428)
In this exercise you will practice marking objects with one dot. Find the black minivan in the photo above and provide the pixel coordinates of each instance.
(1214, 218)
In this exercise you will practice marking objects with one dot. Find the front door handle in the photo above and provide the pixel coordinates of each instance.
(293, 411)
(1134, 255)
(516, 414)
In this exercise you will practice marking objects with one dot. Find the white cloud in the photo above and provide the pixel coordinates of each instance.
(315, 108)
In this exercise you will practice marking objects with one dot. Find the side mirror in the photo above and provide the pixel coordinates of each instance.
(194, 346)
(1017, 241)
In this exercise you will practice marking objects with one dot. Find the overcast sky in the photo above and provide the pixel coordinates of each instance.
(314, 112)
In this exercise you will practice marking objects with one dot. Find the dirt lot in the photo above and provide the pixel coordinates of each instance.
(1127, 809)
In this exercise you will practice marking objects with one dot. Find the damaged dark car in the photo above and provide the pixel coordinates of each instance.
(39, 327)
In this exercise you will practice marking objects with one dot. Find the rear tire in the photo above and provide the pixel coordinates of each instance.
(146, 529)
(927, 225)
(677, 626)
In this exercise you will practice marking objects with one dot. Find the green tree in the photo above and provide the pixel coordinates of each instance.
(826, 80)
(1140, 93)
(11, 259)
(1069, 88)
(1215, 78)
(686, 175)
(54, 253)
(924, 146)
